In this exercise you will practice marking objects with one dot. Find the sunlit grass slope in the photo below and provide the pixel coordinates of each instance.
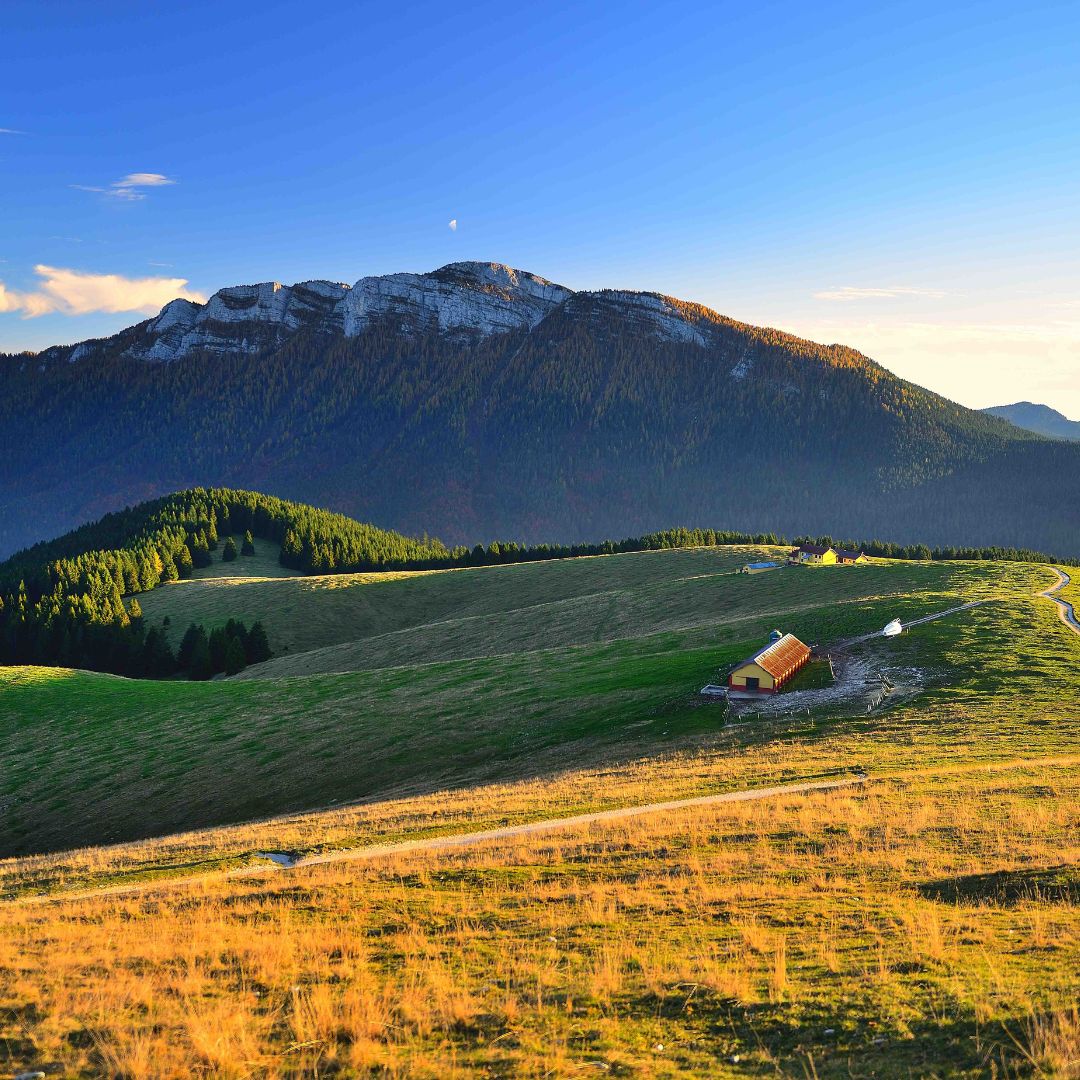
(91, 758)
(356, 622)
(926, 925)
(302, 613)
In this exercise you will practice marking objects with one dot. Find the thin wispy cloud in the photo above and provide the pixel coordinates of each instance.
(74, 292)
(11, 131)
(143, 179)
(975, 362)
(846, 293)
(129, 188)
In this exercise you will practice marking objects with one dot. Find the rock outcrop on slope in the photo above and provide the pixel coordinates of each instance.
(468, 298)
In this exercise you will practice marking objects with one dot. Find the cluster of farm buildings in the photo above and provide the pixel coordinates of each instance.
(825, 556)
(785, 655)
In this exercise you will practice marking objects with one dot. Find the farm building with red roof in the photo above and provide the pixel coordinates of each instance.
(770, 667)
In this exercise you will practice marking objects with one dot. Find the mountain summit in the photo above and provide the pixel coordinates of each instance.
(1038, 418)
(463, 299)
(479, 401)
(466, 297)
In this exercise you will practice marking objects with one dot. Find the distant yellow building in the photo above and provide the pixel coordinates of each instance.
(826, 556)
(811, 553)
(850, 556)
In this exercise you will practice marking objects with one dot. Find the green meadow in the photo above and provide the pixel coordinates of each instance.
(391, 685)
(923, 922)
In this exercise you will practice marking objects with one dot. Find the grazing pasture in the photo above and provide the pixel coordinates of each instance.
(924, 922)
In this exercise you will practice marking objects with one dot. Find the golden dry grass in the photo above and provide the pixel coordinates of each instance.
(867, 931)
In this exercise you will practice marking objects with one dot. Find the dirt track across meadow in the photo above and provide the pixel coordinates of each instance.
(1066, 612)
(443, 843)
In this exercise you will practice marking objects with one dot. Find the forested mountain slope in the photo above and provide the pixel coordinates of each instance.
(478, 401)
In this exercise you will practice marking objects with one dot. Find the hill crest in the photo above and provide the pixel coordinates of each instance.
(1040, 419)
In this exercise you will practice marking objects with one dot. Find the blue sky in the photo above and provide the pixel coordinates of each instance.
(901, 178)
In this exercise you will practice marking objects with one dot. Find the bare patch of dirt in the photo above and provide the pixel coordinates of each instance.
(863, 683)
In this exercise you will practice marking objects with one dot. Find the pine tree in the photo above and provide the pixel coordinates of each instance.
(157, 658)
(258, 645)
(200, 551)
(200, 668)
(219, 644)
(229, 553)
(184, 564)
(187, 645)
(248, 547)
(235, 660)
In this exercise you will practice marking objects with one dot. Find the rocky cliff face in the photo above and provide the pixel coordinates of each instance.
(467, 298)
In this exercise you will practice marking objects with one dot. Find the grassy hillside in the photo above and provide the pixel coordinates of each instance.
(362, 621)
(925, 924)
(607, 657)
(838, 935)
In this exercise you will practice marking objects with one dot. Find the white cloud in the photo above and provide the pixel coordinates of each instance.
(125, 194)
(889, 292)
(11, 131)
(127, 188)
(29, 304)
(143, 179)
(453, 224)
(74, 292)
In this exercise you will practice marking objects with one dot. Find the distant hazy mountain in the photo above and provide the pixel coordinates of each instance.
(478, 401)
(1038, 418)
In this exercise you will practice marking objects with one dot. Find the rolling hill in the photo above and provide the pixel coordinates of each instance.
(1040, 419)
(916, 920)
(387, 683)
(477, 401)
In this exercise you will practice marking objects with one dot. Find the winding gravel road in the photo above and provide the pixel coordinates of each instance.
(1066, 612)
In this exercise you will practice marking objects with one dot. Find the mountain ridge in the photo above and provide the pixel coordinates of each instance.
(479, 401)
(470, 296)
(480, 297)
(1041, 419)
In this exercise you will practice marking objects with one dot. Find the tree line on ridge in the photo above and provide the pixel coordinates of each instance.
(62, 602)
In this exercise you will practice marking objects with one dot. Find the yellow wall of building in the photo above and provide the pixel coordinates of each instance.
(765, 680)
(820, 560)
